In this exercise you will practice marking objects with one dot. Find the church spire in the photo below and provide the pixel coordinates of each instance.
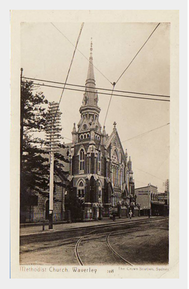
(90, 74)
(90, 98)
(89, 109)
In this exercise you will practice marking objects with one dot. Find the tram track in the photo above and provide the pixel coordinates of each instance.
(87, 246)
(72, 240)
(115, 252)
(91, 237)
(98, 236)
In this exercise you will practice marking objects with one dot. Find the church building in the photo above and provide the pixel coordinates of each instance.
(100, 175)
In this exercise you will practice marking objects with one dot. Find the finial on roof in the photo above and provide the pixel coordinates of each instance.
(91, 48)
(104, 130)
(74, 128)
(114, 124)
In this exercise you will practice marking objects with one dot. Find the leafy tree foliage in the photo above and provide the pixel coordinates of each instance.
(34, 168)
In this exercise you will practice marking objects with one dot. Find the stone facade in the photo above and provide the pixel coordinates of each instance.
(100, 175)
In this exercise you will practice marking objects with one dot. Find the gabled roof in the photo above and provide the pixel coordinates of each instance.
(114, 135)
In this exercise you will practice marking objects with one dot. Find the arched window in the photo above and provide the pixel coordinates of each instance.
(84, 126)
(99, 162)
(115, 156)
(99, 192)
(121, 172)
(117, 175)
(81, 160)
(81, 190)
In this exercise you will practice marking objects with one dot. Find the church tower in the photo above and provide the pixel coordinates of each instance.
(98, 163)
(87, 153)
(89, 122)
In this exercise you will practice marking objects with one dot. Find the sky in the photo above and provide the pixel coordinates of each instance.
(46, 54)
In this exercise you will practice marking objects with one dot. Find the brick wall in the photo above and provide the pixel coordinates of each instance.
(38, 213)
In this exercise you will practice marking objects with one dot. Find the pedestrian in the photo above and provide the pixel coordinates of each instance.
(130, 214)
(149, 213)
(113, 216)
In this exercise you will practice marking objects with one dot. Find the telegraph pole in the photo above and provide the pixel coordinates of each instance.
(21, 133)
(21, 119)
(52, 136)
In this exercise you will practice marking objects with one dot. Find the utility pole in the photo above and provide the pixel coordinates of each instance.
(21, 131)
(21, 118)
(52, 136)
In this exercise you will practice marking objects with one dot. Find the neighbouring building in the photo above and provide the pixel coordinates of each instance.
(152, 202)
(144, 196)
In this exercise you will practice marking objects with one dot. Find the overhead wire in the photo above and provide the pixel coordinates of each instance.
(114, 83)
(148, 174)
(71, 63)
(146, 132)
(54, 118)
(103, 93)
(137, 52)
(98, 88)
(109, 104)
(81, 53)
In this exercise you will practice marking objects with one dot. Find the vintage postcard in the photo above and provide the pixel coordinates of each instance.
(94, 105)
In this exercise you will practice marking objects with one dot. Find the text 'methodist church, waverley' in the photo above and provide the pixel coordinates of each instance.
(100, 175)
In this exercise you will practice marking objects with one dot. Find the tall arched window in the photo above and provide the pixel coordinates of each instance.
(81, 190)
(81, 160)
(99, 192)
(99, 162)
(115, 156)
(117, 172)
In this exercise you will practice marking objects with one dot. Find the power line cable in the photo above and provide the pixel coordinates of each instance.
(68, 73)
(146, 132)
(148, 174)
(109, 103)
(71, 62)
(82, 54)
(98, 88)
(139, 181)
(80, 90)
(67, 138)
(137, 53)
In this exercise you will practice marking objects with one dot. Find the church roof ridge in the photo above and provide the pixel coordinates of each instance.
(114, 132)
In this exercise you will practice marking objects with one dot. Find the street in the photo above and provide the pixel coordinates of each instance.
(138, 241)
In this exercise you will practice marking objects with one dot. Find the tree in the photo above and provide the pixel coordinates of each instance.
(34, 166)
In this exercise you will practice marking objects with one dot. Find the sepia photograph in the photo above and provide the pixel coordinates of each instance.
(94, 151)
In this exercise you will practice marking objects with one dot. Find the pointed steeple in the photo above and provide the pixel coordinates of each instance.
(89, 109)
(90, 74)
(90, 98)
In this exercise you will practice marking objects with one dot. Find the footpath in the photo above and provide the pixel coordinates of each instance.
(38, 229)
